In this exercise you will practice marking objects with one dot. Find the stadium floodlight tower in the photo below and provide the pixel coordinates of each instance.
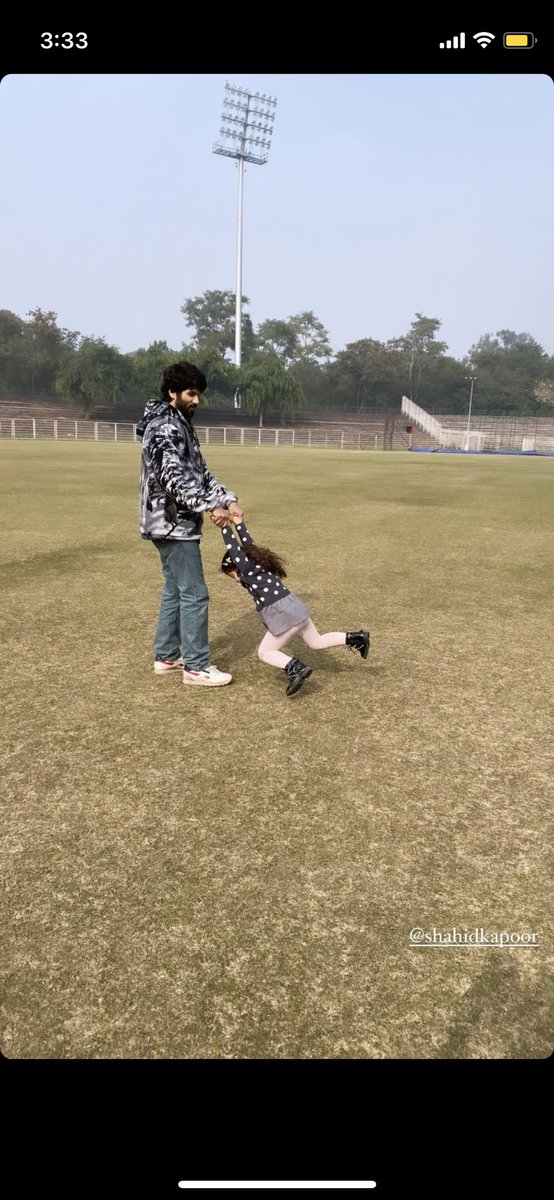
(246, 128)
(471, 377)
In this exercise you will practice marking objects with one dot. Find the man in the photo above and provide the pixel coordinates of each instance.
(176, 488)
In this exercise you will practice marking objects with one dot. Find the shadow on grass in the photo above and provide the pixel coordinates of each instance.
(241, 637)
(502, 1001)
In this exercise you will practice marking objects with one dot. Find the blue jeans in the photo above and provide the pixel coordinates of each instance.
(183, 619)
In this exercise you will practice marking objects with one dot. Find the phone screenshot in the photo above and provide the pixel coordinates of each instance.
(277, 848)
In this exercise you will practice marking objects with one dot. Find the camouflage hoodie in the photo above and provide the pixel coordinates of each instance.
(176, 486)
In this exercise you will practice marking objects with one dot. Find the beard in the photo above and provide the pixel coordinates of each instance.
(188, 410)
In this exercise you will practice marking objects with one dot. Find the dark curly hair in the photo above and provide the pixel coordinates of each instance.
(181, 376)
(263, 558)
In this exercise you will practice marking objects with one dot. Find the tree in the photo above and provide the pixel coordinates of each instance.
(278, 338)
(420, 348)
(544, 393)
(311, 379)
(221, 377)
(268, 387)
(508, 366)
(312, 338)
(513, 372)
(299, 339)
(12, 351)
(213, 317)
(46, 347)
(148, 366)
(367, 374)
(445, 387)
(95, 373)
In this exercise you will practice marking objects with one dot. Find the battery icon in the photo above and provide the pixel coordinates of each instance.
(519, 41)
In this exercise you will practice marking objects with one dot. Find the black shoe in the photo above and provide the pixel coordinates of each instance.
(297, 673)
(359, 641)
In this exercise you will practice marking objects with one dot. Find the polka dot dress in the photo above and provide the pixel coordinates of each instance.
(279, 609)
(264, 586)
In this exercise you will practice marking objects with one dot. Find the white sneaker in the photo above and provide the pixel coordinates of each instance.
(163, 665)
(210, 677)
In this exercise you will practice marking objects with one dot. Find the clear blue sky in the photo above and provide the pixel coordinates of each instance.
(383, 196)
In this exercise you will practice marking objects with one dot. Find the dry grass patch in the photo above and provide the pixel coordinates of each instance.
(235, 874)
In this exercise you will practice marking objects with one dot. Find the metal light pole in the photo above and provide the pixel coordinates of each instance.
(472, 377)
(247, 125)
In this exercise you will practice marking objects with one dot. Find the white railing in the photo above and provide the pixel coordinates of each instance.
(373, 437)
(494, 439)
(449, 439)
(63, 429)
(231, 435)
(422, 418)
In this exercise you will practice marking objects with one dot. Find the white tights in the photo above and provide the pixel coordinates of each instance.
(269, 649)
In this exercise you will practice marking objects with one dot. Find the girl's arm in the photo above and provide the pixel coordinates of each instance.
(244, 534)
(241, 560)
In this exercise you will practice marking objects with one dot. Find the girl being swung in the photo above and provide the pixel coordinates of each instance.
(284, 615)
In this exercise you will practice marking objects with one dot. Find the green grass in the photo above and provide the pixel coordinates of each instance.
(229, 873)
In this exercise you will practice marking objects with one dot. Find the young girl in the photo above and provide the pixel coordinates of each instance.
(261, 572)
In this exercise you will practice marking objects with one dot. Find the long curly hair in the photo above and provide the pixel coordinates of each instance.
(262, 556)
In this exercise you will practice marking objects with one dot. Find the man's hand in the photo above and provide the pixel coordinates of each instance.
(234, 513)
(220, 517)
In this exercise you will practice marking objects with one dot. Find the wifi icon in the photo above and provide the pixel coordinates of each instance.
(484, 39)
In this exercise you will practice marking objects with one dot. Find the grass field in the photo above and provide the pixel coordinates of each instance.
(229, 873)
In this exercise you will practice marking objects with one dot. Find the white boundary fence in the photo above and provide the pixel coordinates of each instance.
(63, 429)
(231, 435)
(378, 434)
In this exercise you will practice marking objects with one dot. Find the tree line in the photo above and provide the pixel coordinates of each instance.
(287, 365)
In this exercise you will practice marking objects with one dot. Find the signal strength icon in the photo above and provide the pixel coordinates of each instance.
(484, 39)
(454, 43)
